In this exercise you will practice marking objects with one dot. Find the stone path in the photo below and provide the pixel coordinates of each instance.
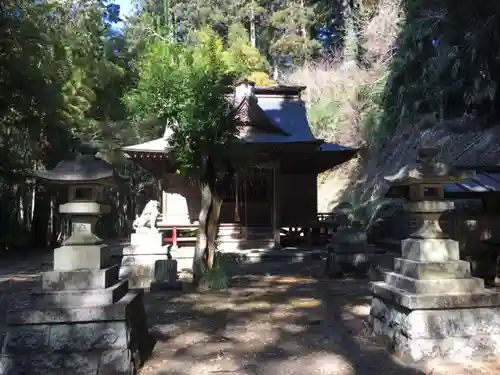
(276, 319)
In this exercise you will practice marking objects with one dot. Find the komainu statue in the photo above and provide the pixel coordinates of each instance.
(147, 221)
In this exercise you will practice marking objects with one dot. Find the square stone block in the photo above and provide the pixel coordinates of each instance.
(166, 270)
(110, 339)
(80, 257)
(39, 364)
(125, 309)
(146, 240)
(428, 271)
(142, 270)
(483, 298)
(21, 338)
(141, 260)
(430, 250)
(138, 250)
(416, 335)
(184, 257)
(117, 362)
(67, 337)
(84, 337)
(435, 286)
(81, 279)
(71, 298)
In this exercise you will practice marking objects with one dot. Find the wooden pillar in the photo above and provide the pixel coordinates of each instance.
(276, 205)
(245, 205)
(174, 239)
(164, 200)
(236, 199)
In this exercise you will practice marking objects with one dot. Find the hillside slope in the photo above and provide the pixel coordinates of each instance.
(361, 181)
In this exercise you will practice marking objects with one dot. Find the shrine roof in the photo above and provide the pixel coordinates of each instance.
(482, 182)
(333, 147)
(156, 145)
(289, 114)
(282, 118)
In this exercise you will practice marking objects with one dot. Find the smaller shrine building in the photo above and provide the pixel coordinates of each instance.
(279, 188)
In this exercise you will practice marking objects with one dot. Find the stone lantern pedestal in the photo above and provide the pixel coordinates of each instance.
(350, 253)
(146, 263)
(83, 319)
(431, 306)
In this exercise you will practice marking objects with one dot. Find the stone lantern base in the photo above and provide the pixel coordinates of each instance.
(147, 264)
(431, 306)
(350, 253)
(81, 322)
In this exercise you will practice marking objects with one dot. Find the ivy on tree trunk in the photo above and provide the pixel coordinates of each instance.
(211, 204)
(208, 220)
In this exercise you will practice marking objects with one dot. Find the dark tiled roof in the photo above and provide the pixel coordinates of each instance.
(280, 115)
(289, 114)
(483, 182)
(250, 113)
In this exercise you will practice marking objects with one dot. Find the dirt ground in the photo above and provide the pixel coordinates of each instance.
(275, 319)
(278, 319)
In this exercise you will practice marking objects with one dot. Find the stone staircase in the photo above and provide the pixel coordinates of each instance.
(236, 237)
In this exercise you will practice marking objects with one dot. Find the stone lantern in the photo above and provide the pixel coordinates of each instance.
(83, 319)
(349, 251)
(86, 178)
(430, 305)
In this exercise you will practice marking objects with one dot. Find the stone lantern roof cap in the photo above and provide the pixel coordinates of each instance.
(426, 170)
(85, 169)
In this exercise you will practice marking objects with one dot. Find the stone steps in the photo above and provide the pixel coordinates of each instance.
(235, 237)
(66, 327)
(269, 255)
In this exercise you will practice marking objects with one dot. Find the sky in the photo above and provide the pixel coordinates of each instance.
(126, 9)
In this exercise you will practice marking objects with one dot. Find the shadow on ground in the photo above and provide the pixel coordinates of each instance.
(277, 318)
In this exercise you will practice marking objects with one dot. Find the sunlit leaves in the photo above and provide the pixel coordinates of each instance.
(185, 87)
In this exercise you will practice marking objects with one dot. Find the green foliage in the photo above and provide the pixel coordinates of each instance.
(299, 47)
(261, 79)
(241, 58)
(61, 70)
(217, 277)
(447, 63)
(291, 24)
(185, 86)
(369, 97)
(326, 116)
(271, 26)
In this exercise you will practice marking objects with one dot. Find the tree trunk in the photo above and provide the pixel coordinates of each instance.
(253, 33)
(41, 217)
(303, 31)
(358, 31)
(211, 204)
(207, 232)
(200, 264)
(212, 229)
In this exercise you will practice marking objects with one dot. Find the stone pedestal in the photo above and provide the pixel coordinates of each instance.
(350, 253)
(80, 322)
(83, 319)
(431, 306)
(184, 257)
(146, 262)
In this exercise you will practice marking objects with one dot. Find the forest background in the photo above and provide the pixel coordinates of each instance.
(382, 75)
